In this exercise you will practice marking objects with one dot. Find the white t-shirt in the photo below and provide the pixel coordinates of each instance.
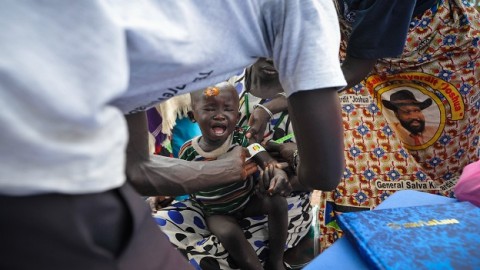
(65, 69)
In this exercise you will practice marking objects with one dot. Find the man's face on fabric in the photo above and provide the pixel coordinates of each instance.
(411, 118)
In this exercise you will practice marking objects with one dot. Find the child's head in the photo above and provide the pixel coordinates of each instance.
(216, 111)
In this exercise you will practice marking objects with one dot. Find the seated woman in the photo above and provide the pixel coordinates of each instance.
(183, 221)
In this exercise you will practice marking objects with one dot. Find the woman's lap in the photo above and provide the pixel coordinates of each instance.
(185, 226)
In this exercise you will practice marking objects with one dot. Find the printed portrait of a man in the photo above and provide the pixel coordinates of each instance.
(411, 123)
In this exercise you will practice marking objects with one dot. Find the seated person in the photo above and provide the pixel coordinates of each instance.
(184, 223)
(216, 112)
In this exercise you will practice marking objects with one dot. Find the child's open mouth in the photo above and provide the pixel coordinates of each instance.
(219, 129)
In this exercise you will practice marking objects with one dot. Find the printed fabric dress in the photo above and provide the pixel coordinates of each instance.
(439, 73)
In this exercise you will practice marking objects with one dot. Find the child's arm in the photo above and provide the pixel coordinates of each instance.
(273, 179)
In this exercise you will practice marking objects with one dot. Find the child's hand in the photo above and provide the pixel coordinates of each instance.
(274, 181)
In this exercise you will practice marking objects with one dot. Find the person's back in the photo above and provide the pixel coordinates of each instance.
(59, 129)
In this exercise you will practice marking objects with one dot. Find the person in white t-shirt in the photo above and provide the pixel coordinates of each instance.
(70, 71)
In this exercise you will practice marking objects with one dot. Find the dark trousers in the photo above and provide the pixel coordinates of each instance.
(108, 230)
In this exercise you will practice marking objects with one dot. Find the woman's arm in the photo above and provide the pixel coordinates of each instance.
(317, 123)
(154, 175)
(356, 69)
(316, 114)
(259, 118)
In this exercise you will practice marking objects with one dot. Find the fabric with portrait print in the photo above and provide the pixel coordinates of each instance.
(434, 88)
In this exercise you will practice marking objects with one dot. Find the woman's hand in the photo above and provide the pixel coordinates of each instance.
(259, 118)
(282, 151)
(258, 124)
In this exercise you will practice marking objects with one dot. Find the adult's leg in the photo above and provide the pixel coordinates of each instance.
(277, 210)
(107, 230)
(228, 231)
